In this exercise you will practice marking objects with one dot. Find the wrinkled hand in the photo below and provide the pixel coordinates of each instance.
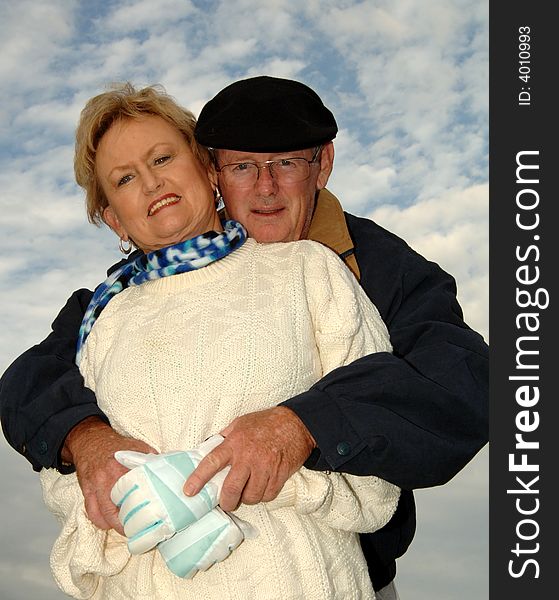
(90, 447)
(264, 449)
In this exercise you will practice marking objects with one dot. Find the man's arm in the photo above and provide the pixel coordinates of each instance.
(42, 394)
(415, 417)
(54, 421)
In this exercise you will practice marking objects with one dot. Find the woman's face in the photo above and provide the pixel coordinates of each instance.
(158, 192)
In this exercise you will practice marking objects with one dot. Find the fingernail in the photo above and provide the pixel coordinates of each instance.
(189, 490)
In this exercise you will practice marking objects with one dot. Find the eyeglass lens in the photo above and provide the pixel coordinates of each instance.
(284, 170)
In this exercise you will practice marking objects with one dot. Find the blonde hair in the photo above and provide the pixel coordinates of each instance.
(120, 102)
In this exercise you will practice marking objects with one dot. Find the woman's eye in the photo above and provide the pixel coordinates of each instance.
(124, 180)
(161, 159)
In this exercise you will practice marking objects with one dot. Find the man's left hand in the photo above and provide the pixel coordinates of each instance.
(264, 449)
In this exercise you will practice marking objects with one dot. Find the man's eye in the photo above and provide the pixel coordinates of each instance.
(286, 163)
(162, 159)
(124, 180)
(242, 167)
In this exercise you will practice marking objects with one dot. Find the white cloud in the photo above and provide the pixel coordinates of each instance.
(423, 104)
(445, 543)
(133, 15)
(451, 230)
(27, 533)
(31, 34)
(358, 179)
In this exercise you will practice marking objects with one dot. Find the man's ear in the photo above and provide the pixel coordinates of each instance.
(110, 218)
(326, 165)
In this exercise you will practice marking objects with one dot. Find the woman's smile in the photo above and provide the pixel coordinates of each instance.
(163, 202)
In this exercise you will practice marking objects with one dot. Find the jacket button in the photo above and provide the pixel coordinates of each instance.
(343, 448)
(43, 447)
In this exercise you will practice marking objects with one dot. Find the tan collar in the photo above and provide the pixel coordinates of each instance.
(329, 227)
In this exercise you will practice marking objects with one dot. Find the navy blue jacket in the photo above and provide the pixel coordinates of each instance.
(414, 417)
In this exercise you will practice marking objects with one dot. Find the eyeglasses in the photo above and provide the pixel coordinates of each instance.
(283, 170)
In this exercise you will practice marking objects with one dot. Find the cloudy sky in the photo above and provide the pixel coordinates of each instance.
(407, 81)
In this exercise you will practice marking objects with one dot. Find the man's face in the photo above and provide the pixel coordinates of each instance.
(273, 211)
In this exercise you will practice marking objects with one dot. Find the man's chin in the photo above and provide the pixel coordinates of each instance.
(268, 234)
(267, 228)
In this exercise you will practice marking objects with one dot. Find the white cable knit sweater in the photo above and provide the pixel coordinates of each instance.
(174, 361)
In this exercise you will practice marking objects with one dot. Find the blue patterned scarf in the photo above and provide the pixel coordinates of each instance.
(180, 258)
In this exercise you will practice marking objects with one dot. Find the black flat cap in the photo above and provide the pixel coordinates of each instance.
(265, 114)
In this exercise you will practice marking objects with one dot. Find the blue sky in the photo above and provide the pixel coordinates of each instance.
(408, 83)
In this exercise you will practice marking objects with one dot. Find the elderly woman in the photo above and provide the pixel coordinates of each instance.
(205, 326)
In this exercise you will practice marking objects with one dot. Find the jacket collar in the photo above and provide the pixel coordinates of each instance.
(329, 227)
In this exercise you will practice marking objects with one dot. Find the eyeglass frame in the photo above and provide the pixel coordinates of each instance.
(268, 163)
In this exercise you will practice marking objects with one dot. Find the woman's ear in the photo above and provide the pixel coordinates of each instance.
(212, 176)
(326, 165)
(110, 218)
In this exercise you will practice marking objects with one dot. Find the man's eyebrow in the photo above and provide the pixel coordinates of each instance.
(273, 156)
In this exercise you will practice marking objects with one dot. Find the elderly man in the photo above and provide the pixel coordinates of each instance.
(414, 417)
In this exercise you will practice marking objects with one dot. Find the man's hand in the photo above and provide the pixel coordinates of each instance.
(90, 447)
(264, 449)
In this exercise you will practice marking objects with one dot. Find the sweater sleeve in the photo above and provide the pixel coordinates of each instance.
(83, 554)
(347, 327)
(346, 502)
(347, 324)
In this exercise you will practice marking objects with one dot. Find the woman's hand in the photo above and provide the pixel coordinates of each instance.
(264, 449)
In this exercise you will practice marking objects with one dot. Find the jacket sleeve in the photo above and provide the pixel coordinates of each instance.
(42, 394)
(417, 416)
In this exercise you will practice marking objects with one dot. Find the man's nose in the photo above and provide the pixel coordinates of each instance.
(265, 184)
